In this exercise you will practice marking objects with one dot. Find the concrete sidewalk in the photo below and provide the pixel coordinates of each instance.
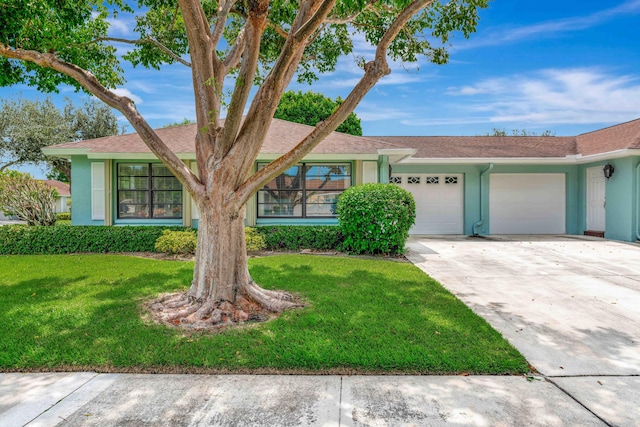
(90, 399)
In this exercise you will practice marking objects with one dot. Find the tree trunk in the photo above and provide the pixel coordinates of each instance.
(222, 291)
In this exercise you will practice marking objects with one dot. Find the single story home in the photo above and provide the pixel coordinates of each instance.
(63, 201)
(477, 185)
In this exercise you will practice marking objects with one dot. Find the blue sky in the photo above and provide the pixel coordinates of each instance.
(565, 66)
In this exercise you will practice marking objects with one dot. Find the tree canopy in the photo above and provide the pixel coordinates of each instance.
(27, 126)
(311, 108)
(229, 46)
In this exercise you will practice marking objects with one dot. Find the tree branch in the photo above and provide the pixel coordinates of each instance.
(374, 71)
(223, 12)
(350, 18)
(6, 165)
(120, 103)
(244, 82)
(154, 42)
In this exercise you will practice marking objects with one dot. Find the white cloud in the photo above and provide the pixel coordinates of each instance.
(120, 26)
(544, 97)
(126, 92)
(550, 28)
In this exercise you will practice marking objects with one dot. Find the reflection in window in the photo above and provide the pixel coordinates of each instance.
(148, 190)
(305, 190)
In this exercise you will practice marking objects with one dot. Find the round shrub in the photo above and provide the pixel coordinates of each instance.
(177, 242)
(375, 218)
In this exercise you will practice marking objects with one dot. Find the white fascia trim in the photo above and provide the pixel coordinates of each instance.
(498, 160)
(322, 157)
(568, 160)
(626, 152)
(65, 153)
(135, 156)
(397, 155)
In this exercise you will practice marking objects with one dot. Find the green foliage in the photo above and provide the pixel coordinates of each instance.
(311, 108)
(253, 239)
(518, 132)
(376, 218)
(27, 126)
(27, 198)
(363, 316)
(23, 240)
(296, 237)
(177, 242)
(63, 216)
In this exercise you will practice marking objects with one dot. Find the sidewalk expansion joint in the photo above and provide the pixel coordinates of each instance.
(340, 405)
(550, 379)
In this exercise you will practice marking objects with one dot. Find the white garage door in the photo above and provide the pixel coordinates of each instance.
(439, 202)
(527, 203)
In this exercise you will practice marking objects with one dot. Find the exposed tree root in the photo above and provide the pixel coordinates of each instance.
(253, 304)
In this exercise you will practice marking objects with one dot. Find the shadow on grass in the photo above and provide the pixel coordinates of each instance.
(362, 316)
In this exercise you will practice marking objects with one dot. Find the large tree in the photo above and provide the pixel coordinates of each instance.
(311, 108)
(46, 43)
(26, 126)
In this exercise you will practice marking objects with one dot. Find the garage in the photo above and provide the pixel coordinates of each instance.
(527, 203)
(439, 201)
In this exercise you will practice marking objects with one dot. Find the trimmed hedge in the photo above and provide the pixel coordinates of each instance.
(25, 240)
(296, 237)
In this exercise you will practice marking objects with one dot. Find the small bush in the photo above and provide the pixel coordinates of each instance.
(25, 240)
(296, 237)
(177, 242)
(63, 216)
(375, 218)
(254, 240)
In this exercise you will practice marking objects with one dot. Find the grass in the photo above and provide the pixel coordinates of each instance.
(83, 312)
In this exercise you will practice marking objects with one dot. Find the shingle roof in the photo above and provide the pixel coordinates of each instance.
(618, 137)
(485, 146)
(62, 188)
(282, 137)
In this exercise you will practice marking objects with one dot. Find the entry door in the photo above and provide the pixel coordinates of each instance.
(596, 216)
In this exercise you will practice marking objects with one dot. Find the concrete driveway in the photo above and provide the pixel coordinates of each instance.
(570, 304)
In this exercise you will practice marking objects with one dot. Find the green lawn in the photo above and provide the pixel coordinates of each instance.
(82, 312)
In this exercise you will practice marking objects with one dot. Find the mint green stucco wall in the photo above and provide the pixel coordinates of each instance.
(81, 191)
(476, 209)
(621, 199)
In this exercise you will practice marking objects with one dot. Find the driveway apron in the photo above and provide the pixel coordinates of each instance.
(571, 305)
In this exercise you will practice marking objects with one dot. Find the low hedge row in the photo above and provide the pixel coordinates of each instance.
(25, 240)
(296, 237)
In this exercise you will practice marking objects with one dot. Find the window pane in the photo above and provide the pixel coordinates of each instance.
(167, 211)
(166, 183)
(158, 169)
(328, 177)
(291, 179)
(322, 203)
(133, 183)
(131, 169)
(131, 210)
(280, 203)
(174, 197)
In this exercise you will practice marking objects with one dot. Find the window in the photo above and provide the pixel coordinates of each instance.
(413, 180)
(304, 190)
(451, 180)
(395, 180)
(148, 190)
(432, 180)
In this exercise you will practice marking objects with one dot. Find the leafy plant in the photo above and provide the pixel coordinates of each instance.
(27, 198)
(177, 242)
(24, 240)
(375, 218)
(296, 237)
(63, 216)
(254, 240)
